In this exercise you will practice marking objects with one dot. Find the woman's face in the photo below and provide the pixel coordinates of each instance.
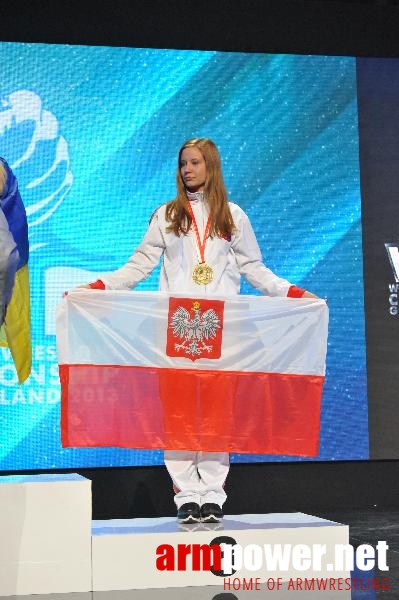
(193, 169)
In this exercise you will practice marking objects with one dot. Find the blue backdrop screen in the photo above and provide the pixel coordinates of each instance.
(92, 134)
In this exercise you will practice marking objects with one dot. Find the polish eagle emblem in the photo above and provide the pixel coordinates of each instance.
(194, 330)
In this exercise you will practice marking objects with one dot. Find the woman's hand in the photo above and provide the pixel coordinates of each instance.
(310, 295)
(83, 285)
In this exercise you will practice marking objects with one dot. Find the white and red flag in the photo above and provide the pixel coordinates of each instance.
(147, 370)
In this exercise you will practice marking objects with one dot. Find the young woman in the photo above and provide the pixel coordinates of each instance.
(207, 244)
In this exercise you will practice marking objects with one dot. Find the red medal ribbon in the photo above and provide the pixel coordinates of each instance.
(201, 245)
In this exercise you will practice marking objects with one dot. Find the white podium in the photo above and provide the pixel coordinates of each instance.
(50, 545)
(216, 593)
(124, 552)
(45, 539)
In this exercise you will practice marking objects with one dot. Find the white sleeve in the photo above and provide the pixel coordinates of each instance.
(143, 260)
(249, 261)
(9, 258)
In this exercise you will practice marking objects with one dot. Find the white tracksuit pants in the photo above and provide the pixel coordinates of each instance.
(199, 476)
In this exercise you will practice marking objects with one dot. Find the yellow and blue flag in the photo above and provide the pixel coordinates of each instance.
(15, 332)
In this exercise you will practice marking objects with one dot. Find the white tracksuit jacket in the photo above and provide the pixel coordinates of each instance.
(229, 259)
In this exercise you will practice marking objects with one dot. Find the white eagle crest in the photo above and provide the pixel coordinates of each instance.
(194, 330)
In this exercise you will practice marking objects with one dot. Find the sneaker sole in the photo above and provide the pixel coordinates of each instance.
(189, 519)
(211, 519)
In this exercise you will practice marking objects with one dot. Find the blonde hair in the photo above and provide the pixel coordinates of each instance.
(177, 214)
(3, 178)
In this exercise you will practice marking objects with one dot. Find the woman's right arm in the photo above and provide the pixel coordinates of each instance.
(143, 260)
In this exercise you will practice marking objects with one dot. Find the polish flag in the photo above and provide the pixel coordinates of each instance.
(147, 370)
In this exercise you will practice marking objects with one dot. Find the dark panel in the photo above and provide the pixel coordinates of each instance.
(312, 488)
(293, 26)
(378, 101)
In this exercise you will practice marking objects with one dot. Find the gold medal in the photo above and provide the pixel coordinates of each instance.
(203, 274)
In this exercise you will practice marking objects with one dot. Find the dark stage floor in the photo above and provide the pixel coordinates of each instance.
(368, 527)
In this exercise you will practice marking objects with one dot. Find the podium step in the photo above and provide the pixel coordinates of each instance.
(125, 551)
(45, 525)
(219, 593)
